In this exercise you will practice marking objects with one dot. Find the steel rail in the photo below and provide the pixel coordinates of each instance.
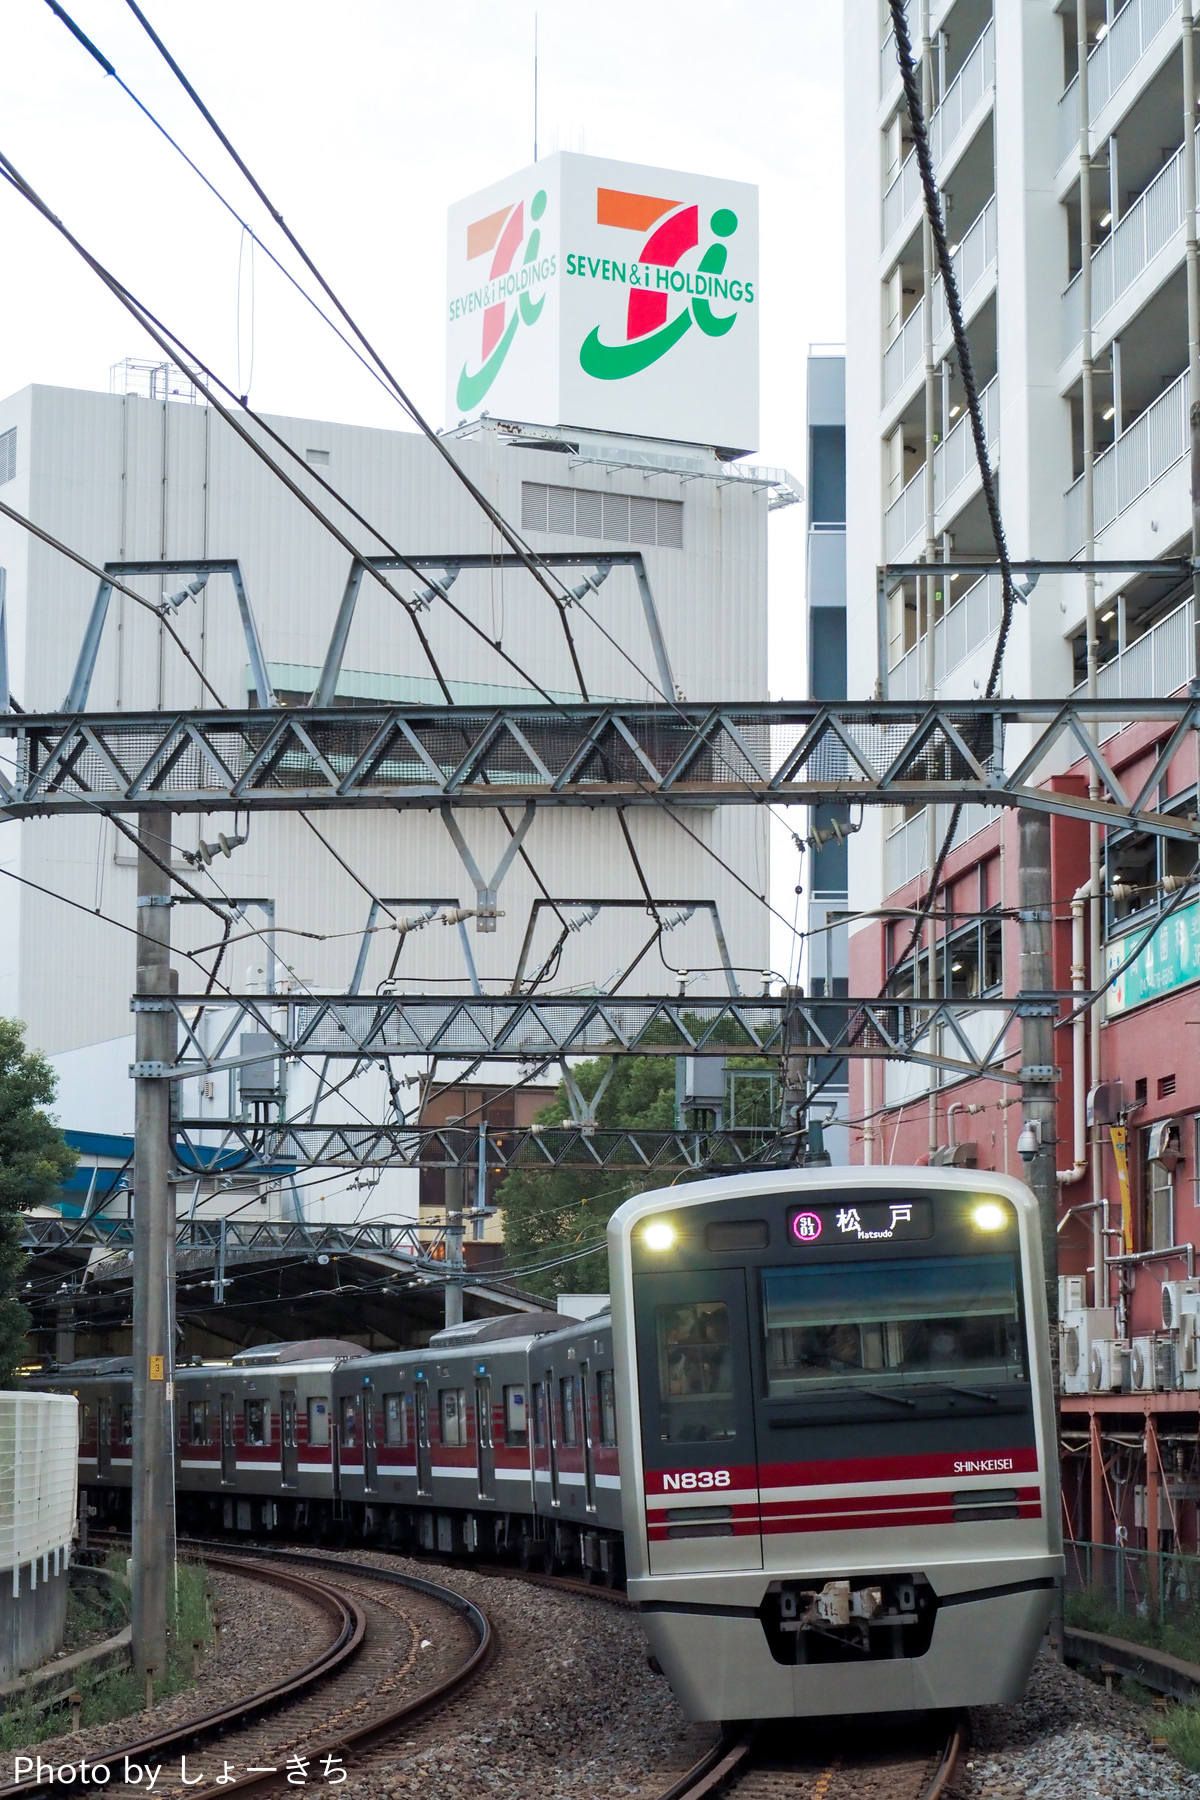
(351, 1623)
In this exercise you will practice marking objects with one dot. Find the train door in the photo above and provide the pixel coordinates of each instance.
(424, 1465)
(589, 1470)
(104, 1439)
(370, 1457)
(228, 1444)
(699, 1451)
(287, 1438)
(485, 1453)
(547, 1400)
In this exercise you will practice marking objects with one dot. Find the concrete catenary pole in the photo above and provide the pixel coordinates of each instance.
(1039, 1138)
(154, 1258)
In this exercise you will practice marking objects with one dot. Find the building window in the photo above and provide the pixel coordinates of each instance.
(1143, 871)
(827, 479)
(198, 1421)
(8, 455)
(258, 1422)
(516, 1425)
(452, 1409)
(394, 1429)
(607, 1395)
(318, 1420)
(615, 518)
(570, 1420)
(1158, 1199)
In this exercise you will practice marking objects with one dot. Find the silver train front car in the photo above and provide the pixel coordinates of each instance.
(839, 1473)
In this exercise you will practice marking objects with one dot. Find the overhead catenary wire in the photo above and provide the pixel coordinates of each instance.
(515, 542)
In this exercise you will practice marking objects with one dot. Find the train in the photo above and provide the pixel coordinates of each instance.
(814, 1438)
(838, 1449)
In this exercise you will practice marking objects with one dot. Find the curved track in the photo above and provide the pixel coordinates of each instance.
(319, 1710)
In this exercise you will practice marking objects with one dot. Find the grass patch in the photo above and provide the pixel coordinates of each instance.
(1181, 1728)
(108, 1694)
(1094, 1611)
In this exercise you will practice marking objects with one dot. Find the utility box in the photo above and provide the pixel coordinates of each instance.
(258, 1081)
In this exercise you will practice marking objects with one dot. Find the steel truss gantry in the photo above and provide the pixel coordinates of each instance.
(962, 1036)
(246, 1149)
(808, 753)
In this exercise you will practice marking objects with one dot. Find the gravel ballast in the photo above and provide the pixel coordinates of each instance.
(1067, 1739)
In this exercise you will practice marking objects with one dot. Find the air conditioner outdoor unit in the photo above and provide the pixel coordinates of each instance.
(1187, 1352)
(1142, 1366)
(1071, 1294)
(1080, 1328)
(1166, 1364)
(1178, 1298)
(1103, 1366)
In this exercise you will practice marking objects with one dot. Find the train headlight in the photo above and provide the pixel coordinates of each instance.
(659, 1234)
(989, 1215)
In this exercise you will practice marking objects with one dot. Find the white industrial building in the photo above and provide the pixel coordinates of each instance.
(120, 477)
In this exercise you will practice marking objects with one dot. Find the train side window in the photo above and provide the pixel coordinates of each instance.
(570, 1414)
(394, 1419)
(539, 1414)
(452, 1409)
(198, 1421)
(349, 1421)
(125, 1433)
(85, 1415)
(695, 1372)
(606, 1392)
(516, 1424)
(318, 1420)
(258, 1422)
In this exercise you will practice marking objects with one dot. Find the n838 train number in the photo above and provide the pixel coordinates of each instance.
(689, 1479)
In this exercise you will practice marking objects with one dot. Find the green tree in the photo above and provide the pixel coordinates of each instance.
(35, 1160)
(566, 1210)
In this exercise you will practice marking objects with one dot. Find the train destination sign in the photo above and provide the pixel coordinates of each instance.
(588, 293)
(857, 1222)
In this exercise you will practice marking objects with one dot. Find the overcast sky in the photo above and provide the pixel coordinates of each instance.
(364, 121)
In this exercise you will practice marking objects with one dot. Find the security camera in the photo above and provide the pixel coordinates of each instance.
(1030, 1140)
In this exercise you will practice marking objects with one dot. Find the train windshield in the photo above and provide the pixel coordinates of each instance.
(930, 1321)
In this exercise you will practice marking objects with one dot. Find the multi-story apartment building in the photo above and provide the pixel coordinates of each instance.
(1062, 425)
(824, 875)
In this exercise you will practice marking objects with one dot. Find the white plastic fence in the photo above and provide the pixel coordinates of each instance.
(39, 1449)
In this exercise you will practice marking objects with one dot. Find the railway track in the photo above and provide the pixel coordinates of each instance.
(357, 1692)
(762, 1763)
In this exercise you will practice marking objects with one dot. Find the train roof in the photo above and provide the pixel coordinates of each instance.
(508, 1325)
(301, 1350)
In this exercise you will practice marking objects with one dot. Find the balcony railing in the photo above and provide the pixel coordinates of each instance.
(976, 77)
(1155, 217)
(1154, 443)
(970, 622)
(974, 263)
(1110, 63)
(906, 848)
(953, 461)
(889, 62)
(1157, 664)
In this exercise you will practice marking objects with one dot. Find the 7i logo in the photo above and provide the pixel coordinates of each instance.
(654, 278)
(505, 298)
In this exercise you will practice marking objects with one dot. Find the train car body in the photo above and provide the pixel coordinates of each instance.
(434, 1443)
(576, 1469)
(839, 1474)
(255, 1443)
